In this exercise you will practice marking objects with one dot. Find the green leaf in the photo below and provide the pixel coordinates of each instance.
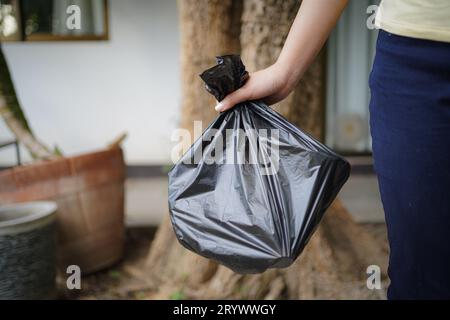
(178, 295)
(115, 274)
(8, 92)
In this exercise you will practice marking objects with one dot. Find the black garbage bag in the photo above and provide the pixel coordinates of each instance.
(250, 192)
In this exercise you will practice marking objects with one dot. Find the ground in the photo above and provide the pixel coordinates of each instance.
(120, 281)
(124, 280)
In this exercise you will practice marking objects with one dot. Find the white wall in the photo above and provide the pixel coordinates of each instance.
(80, 95)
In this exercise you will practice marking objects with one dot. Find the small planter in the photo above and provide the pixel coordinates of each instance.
(89, 192)
(27, 250)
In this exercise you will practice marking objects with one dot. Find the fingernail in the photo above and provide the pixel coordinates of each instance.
(219, 107)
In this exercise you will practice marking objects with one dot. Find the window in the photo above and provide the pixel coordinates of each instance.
(351, 49)
(53, 20)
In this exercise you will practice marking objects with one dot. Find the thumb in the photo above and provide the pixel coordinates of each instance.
(232, 99)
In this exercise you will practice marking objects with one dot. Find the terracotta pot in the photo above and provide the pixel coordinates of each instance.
(89, 191)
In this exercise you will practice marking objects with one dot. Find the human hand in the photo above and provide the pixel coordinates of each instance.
(269, 85)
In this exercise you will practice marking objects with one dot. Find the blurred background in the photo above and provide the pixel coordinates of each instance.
(90, 94)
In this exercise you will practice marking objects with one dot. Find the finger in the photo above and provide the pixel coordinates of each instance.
(232, 99)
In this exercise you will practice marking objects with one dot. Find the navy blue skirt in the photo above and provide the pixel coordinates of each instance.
(410, 127)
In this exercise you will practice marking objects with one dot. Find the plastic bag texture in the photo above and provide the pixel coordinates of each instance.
(250, 192)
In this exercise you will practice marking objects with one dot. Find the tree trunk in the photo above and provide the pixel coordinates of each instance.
(265, 26)
(334, 262)
(14, 117)
(208, 28)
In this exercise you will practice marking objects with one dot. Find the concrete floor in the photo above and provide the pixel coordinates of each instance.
(146, 200)
(361, 197)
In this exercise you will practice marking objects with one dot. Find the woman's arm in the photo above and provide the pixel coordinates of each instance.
(312, 26)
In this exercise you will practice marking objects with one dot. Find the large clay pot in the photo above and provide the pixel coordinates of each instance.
(89, 191)
(27, 250)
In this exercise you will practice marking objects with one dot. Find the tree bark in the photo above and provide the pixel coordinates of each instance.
(208, 28)
(265, 26)
(334, 262)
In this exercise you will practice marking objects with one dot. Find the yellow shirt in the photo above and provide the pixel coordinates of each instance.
(423, 19)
